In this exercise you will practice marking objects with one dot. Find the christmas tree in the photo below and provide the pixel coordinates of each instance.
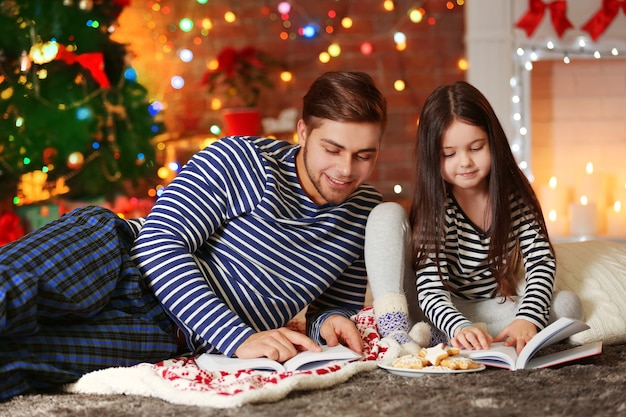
(74, 121)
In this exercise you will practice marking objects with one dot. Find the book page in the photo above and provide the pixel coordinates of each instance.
(557, 358)
(311, 360)
(497, 355)
(553, 333)
(215, 362)
(303, 360)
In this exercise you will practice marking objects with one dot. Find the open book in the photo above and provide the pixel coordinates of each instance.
(505, 356)
(302, 361)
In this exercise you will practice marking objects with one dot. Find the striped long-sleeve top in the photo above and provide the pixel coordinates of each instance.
(464, 268)
(235, 246)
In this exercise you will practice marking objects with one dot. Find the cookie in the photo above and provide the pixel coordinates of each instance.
(456, 363)
(410, 362)
(434, 355)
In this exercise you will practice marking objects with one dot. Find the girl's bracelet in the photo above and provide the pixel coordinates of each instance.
(464, 325)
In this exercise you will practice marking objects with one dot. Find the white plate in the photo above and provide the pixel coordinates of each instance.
(413, 373)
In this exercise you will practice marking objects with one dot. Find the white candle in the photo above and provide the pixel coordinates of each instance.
(620, 195)
(554, 197)
(616, 220)
(556, 223)
(591, 185)
(554, 200)
(583, 219)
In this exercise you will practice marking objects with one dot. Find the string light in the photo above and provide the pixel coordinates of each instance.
(293, 23)
(524, 55)
(416, 15)
(206, 25)
(334, 50)
(186, 24)
(185, 55)
(308, 31)
(230, 17)
(286, 76)
(177, 82)
(366, 48)
(462, 64)
(284, 7)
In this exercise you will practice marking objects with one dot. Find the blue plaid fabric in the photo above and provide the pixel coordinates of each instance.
(72, 301)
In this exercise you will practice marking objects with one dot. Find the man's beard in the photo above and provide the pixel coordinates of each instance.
(335, 198)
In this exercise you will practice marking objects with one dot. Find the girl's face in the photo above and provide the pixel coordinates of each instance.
(465, 156)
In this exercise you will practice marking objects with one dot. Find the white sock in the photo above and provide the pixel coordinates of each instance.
(392, 318)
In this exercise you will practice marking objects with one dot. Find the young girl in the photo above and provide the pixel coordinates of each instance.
(483, 265)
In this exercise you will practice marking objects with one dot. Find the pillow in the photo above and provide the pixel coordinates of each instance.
(596, 272)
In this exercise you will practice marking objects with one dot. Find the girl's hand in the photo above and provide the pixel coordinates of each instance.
(471, 338)
(517, 334)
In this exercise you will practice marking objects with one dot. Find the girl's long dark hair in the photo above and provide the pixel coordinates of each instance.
(462, 101)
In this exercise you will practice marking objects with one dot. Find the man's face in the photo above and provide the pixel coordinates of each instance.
(336, 158)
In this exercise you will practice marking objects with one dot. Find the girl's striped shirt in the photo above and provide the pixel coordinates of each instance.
(464, 268)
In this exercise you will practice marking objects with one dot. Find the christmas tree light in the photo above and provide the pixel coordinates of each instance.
(71, 110)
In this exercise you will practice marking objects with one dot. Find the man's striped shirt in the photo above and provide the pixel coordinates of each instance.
(235, 246)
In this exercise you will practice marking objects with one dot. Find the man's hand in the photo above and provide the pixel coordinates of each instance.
(339, 329)
(279, 345)
(517, 334)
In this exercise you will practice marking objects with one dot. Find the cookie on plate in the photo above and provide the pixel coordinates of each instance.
(410, 362)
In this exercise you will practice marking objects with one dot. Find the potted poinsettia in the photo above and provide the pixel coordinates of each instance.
(239, 78)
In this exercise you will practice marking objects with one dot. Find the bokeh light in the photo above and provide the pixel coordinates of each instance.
(334, 50)
(286, 76)
(366, 48)
(284, 7)
(185, 55)
(177, 82)
(185, 24)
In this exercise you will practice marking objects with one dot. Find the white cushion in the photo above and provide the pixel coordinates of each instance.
(596, 272)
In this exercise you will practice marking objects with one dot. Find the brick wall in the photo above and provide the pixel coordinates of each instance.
(431, 58)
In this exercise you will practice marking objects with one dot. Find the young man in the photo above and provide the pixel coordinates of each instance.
(250, 232)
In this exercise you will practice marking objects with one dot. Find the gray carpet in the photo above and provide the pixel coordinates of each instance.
(594, 386)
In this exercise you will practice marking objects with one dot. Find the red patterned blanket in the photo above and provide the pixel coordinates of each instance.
(181, 381)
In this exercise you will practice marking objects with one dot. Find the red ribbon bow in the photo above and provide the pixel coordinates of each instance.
(603, 17)
(534, 16)
(92, 61)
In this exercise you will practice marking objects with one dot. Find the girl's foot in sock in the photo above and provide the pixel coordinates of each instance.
(392, 318)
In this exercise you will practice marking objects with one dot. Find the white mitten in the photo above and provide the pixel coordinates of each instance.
(392, 317)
